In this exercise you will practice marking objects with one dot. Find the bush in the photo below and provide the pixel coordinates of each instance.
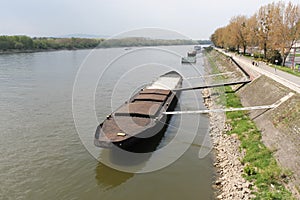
(208, 49)
(258, 55)
(19, 45)
(274, 55)
(249, 170)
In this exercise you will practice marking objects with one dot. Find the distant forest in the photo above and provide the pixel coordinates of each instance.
(141, 41)
(25, 43)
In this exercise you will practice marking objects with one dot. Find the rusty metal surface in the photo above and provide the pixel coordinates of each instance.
(150, 97)
(136, 116)
(155, 91)
(149, 103)
(128, 125)
(147, 108)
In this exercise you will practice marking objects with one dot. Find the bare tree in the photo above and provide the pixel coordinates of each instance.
(287, 28)
(274, 28)
(239, 31)
(251, 31)
(265, 19)
(218, 37)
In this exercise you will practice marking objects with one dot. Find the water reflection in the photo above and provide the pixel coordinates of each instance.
(119, 157)
(109, 178)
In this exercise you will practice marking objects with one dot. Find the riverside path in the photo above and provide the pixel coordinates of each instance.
(286, 79)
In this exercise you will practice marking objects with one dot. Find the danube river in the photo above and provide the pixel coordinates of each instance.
(46, 155)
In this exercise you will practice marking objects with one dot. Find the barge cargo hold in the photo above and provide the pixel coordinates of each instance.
(141, 118)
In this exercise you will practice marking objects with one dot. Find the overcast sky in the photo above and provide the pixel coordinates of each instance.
(196, 19)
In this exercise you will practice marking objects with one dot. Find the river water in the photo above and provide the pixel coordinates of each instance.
(45, 155)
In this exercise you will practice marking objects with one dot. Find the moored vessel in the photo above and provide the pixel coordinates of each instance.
(141, 117)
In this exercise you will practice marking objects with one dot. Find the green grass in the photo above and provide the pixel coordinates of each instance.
(287, 69)
(295, 72)
(260, 166)
(215, 70)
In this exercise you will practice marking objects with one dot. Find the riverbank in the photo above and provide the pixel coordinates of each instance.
(279, 128)
(229, 183)
(26, 44)
(17, 51)
(244, 164)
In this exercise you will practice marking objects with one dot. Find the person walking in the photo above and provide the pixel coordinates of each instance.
(276, 61)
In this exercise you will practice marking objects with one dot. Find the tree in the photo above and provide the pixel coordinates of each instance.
(274, 27)
(264, 24)
(217, 38)
(251, 31)
(239, 31)
(26, 41)
(19, 45)
(287, 28)
(230, 33)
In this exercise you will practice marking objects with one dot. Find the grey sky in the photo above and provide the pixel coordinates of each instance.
(194, 18)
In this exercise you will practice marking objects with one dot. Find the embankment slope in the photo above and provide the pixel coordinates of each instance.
(280, 127)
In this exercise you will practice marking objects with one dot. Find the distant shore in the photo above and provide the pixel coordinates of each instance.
(25, 44)
(16, 51)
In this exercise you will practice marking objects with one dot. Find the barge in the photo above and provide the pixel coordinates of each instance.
(192, 54)
(188, 60)
(191, 57)
(141, 117)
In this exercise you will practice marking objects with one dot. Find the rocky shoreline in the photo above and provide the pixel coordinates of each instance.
(229, 183)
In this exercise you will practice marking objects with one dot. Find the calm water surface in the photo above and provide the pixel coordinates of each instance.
(42, 156)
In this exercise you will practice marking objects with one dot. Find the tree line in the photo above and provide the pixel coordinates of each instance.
(273, 30)
(25, 43)
(142, 41)
(8, 43)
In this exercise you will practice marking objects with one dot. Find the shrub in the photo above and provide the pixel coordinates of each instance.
(274, 55)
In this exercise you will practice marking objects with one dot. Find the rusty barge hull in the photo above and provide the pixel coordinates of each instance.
(141, 119)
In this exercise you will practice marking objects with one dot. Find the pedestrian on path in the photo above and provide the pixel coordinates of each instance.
(276, 61)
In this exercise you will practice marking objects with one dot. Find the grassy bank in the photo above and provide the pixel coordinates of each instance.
(260, 167)
(287, 69)
(295, 72)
